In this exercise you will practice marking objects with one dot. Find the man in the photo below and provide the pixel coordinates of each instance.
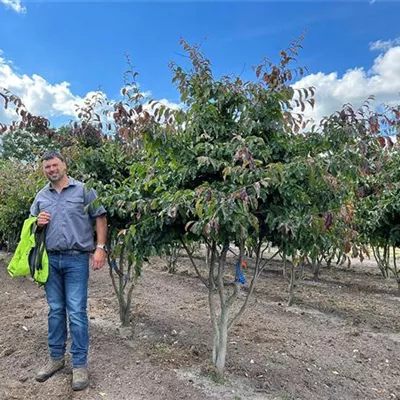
(65, 208)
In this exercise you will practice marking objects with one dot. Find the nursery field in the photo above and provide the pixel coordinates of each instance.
(340, 339)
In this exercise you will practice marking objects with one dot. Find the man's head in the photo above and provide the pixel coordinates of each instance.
(54, 166)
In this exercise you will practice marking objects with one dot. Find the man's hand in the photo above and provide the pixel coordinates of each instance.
(43, 219)
(99, 259)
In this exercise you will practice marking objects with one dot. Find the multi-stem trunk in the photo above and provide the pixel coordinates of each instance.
(383, 259)
(316, 267)
(220, 323)
(124, 287)
(221, 302)
(172, 256)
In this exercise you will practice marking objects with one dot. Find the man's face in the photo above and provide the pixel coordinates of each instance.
(54, 169)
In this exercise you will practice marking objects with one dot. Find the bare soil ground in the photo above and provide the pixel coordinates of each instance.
(341, 340)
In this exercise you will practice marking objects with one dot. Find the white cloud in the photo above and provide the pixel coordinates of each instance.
(14, 5)
(43, 98)
(169, 104)
(384, 45)
(355, 85)
(39, 96)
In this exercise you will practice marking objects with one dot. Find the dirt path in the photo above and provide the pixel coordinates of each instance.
(340, 341)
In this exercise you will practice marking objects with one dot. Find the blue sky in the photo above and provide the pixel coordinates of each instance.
(45, 43)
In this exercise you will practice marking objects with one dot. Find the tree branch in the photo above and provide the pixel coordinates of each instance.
(194, 264)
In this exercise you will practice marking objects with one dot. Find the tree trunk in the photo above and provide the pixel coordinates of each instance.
(291, 284)
(316, 264)
(290, 276)
(216, 290)
(122, 289)
(382, 260)
(125, 317)
(222, 342)
(395, 270)
(211, 300)
(125, 310)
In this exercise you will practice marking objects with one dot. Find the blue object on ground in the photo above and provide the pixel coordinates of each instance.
(239, 276)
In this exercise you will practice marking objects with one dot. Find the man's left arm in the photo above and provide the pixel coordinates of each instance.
(99, 256)
(100, 215)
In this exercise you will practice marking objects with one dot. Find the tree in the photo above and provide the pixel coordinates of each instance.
(18, 186)
(107, 169)
(379, 208)
(28, 146)
(208, 172)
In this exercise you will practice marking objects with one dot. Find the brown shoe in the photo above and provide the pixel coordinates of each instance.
(80, 378)
(51, 367)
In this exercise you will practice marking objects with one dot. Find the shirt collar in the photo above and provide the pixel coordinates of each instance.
(71, 182)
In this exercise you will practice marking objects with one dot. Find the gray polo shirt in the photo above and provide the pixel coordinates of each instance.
(71, 225)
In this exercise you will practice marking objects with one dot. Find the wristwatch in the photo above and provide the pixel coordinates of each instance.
(102, 246)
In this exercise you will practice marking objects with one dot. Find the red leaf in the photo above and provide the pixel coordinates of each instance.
(382, 141)
(328, 220)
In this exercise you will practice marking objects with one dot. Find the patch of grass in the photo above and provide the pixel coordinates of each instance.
(163, 349)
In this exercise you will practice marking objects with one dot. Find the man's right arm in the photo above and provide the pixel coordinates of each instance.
(34, 208)
(43, 216)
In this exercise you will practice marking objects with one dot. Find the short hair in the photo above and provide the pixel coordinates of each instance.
(52, 154)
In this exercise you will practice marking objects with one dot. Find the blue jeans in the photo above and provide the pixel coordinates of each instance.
(66, 291)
